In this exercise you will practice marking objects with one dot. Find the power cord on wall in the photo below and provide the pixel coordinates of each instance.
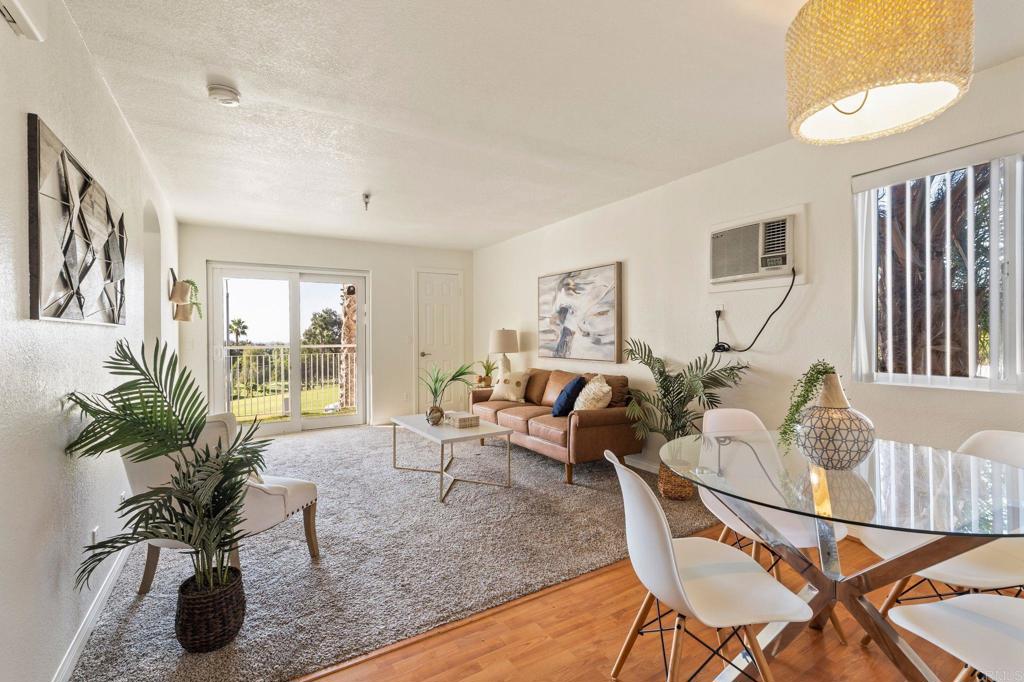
(723, 347)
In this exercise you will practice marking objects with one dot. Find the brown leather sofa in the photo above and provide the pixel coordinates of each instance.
(583, 436)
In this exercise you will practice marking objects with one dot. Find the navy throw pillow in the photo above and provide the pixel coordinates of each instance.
(567, 398)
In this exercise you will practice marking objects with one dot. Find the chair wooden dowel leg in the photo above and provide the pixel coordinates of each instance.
(890, 600)
(759, 658)
(755, 551)
(309, 524)
(718, 636)
(675, 657)
(568, 473)
(481, 441)
(966, 674)
(725, 532)
(152, 557)
(631, 636)
(840, 633)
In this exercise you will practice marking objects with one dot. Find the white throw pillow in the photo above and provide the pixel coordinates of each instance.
(511, 386)
(596, 395)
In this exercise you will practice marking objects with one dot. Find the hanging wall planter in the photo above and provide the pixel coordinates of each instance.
(185, 297)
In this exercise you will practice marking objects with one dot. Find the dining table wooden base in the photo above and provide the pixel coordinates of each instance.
(827, 586)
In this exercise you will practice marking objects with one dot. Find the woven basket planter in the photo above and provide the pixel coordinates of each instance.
(209, 619)
(672, 486)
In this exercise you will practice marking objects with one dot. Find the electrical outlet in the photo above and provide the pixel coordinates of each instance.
(406, 397)
(123, 496)
(719, 307)
(95, 533)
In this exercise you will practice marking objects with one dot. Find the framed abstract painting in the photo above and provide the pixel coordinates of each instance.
(578, 314)
(77, 237)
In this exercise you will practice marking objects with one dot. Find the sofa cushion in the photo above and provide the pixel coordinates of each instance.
(488, 410)
(518, 418)
(596, 395)
(535, 387)
(620, 388)
(567, 398)
(511, 386)
(556, 382)
(552, 429)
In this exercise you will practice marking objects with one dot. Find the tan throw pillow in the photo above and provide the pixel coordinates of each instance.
(511, 386)
(596, 395)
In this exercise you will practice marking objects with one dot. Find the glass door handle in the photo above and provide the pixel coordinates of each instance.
(423, 354)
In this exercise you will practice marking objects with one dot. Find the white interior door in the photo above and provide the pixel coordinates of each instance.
(287, 347)
(439, 333)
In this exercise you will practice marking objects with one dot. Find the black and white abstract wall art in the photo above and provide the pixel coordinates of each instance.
(579, 313)
(77, 237)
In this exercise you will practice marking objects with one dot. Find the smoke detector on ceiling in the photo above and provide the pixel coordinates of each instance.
(224, 95)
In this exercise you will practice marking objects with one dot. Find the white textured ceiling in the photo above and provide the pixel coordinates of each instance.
(469, 121)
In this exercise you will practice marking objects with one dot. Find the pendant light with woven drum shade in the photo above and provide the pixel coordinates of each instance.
(861, 69)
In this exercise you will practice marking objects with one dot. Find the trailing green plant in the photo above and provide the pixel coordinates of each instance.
(805, 390)
(669, 410)
(193, 296)
(159, 411)
(488, 366)
(437, 381)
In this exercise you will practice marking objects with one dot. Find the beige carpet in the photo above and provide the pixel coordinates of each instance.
(394, 561)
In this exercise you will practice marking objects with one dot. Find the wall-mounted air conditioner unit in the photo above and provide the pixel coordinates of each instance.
(25, 17)
(763, 248)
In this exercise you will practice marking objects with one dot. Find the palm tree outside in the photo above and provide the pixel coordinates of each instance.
(239, 328)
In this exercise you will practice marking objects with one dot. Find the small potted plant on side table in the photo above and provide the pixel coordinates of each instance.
(437, 381)
(488, 366)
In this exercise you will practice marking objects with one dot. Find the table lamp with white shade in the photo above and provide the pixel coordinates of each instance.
(504, 341)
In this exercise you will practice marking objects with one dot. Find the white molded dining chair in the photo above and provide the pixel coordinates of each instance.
(997, 565)
(985, 631)
(800, 531)
(268, 500)
(698, 578)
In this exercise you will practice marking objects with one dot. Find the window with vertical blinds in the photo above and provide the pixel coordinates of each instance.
(939, 286)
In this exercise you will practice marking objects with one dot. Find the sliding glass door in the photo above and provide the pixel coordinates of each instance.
(288, 347)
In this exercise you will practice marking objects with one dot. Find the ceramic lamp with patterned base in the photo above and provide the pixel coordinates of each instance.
(832, 434)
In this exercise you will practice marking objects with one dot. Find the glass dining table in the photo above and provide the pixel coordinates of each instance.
(955, 501)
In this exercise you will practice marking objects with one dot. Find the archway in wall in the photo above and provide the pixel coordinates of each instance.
(152, 275)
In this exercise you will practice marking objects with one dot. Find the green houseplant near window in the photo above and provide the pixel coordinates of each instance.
(669, 409)
(437, 381)
(159, 411)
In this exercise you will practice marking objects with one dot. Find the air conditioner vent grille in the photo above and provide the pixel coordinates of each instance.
(775, 236)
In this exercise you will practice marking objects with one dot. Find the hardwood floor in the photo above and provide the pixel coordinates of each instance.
(573, 631)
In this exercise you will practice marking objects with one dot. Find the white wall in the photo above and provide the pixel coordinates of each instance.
(660, 236)
(392, 296)
(50, 503)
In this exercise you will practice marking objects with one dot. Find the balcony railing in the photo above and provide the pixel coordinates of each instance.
(258, 376)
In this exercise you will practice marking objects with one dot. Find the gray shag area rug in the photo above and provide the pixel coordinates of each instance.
(394, 562)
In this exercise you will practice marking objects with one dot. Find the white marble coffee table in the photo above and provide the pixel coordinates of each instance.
(445, 435)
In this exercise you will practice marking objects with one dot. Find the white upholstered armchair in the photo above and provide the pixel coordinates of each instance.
(267, 502)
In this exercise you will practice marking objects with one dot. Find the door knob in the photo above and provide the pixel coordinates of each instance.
(423, 354)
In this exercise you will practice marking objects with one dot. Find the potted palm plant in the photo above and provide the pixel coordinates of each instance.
(669, 410)
(488, 366)
(159, 411)
(437, 381)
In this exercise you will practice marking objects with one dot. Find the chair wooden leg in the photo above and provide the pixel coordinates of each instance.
(966, 674)
(233, 558)
(840, 633)
(568, 473)
(890, 601)
(309, 523)
(755, 551)
(725, 532)
(718, 636)
(675, 658)
(152, 557)
(481, 441)
(759, 659)
(631, 636)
